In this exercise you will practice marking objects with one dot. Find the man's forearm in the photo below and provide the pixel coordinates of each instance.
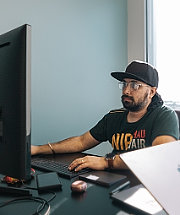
(119, 163)
(70, 145)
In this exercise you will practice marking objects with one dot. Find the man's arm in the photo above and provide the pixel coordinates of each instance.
(97, 163)
(100, 163)
(163, 139)
(70, 145)
(118, 162)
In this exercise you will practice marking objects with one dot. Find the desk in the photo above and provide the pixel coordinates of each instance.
(95, 201)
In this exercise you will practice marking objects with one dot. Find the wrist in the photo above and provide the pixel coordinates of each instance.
(51, 148)
(110, 160)
(106, 163)
(43, 149)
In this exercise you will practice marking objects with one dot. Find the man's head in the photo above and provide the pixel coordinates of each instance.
(139, 83)
(140, 71)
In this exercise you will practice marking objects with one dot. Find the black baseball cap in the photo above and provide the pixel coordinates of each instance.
(141, 71)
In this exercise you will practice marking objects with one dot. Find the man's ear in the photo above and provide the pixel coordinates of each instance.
(153, 91)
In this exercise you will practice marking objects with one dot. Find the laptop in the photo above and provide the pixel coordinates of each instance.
(158, 168)
(139, 201)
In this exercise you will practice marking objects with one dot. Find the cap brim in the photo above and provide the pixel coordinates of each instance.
(122, 75)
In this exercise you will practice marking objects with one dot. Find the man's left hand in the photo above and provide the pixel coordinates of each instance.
(92, 162)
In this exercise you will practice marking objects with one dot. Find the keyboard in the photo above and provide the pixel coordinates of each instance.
(61, 168)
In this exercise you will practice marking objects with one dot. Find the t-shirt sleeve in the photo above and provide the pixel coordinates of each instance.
(166, 124)
(99, 130)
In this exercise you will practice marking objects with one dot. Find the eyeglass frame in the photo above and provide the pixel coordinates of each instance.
(123, 84)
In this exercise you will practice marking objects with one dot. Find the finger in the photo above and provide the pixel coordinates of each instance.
(81, 166)
(76, 163)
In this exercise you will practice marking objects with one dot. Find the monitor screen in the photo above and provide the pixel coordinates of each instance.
(15, 127)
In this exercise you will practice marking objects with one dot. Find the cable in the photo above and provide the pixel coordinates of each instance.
(43, 202)
(40, 208)
(23, 198)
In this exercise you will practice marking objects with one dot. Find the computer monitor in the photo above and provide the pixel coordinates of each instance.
(15, 92)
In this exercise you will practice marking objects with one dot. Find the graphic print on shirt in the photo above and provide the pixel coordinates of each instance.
(128, 141)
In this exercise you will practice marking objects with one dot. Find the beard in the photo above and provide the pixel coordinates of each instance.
(133, 106)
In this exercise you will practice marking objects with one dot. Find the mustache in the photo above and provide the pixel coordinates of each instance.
(125, 96)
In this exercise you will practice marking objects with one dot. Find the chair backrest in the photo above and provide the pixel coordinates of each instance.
(178, 114)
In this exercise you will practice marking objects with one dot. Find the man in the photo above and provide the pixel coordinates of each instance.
(143, 122)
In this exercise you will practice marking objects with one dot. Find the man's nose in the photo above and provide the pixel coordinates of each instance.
(127, 89)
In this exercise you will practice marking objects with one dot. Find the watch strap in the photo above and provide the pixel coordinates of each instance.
(110, 163)
(110, 160)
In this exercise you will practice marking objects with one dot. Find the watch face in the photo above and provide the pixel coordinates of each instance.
(110, 156)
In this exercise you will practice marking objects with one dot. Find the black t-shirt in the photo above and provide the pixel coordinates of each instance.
(125, 136)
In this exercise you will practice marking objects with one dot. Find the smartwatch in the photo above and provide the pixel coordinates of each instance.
(110, 159)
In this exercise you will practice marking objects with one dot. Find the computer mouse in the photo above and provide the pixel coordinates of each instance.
(79, 186)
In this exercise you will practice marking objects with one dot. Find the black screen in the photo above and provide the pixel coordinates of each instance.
(15, 130)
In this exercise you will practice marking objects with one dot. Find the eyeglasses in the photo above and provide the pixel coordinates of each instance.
(133, 85)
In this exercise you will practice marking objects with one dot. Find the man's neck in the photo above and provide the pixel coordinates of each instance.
(135, 116)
